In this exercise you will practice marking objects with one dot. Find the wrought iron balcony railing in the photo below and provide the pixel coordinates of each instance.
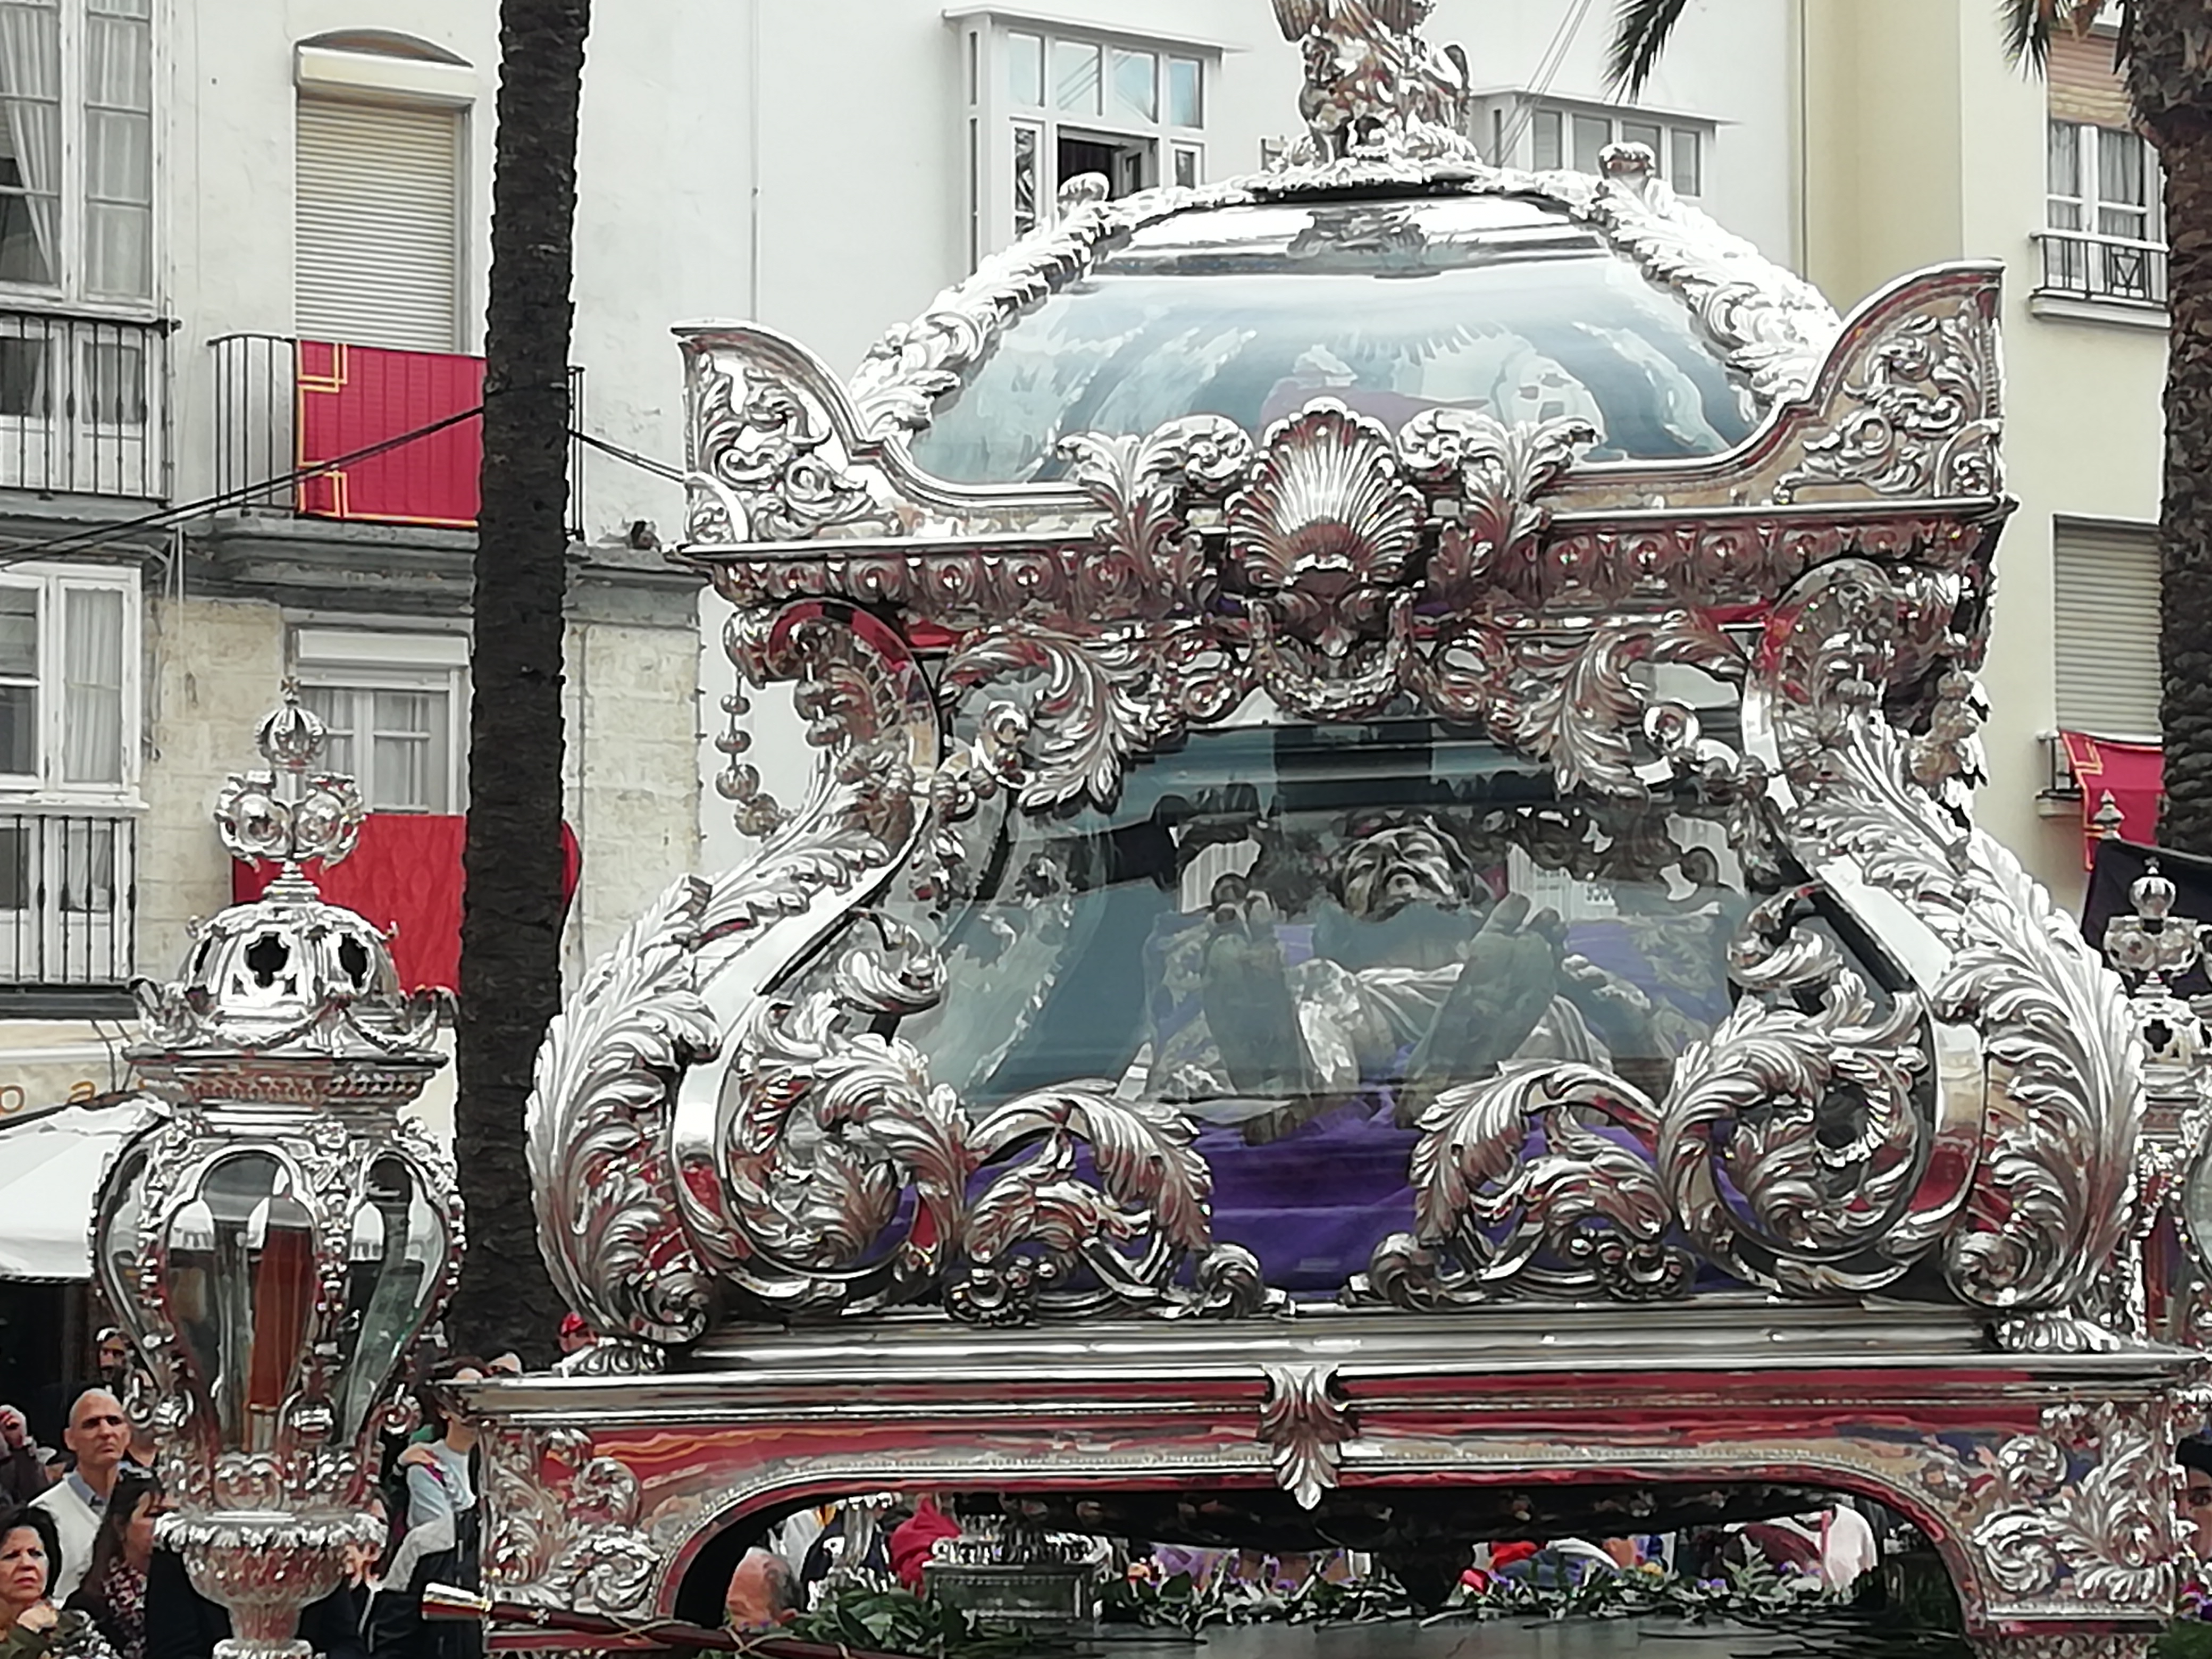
(311, 429)
(69, 901)
(83, 405)
(2081, 264)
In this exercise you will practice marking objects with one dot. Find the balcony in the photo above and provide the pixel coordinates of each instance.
(69, 909)
(353, 434)
(2083, 265)
(82, 405)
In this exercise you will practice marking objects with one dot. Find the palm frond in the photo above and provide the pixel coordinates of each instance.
(2030, 26)
(1641, 29)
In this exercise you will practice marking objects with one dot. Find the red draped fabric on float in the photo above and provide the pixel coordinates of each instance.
(354, 397)
(405, 872)
(2132, 774)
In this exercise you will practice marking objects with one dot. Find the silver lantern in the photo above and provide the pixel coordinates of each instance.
(278, 1245)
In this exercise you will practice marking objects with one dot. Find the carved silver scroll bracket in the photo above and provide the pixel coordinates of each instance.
(2073, 1521)
(775, 446)
(1911, 404)
(1304, 1423)
(565, 1533)
(1877, 815)
(623, 1121)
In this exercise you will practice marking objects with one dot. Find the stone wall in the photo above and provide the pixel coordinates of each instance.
(632, 779)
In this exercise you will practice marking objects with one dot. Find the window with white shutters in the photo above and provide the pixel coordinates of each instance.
(2107, 624)
(376, 258)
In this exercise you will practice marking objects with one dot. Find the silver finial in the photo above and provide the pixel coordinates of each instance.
(283, 813)
(2108, 820)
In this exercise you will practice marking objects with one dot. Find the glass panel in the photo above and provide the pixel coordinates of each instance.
(1025, 70)
(1592, 134)
(115, 383)
(409, 752)
(18, 843)
(1076, 75)
(2120, 171)
(335, 708)
(1686, 168)
(30, 143)
(1647, 134)
(1026, 141)
(2063, 159)
(242, 1291)
(397, 1248)
(24, 388)
(92, 687)
(1253, 312)
(1186, 92)
(1186, 168)
(118, 153)
(1300, 937)
(1545, 134)
(1131, 169)
(2123, 197)
(19, 632)
(86, 875)
(19, 676)
(1136, 86)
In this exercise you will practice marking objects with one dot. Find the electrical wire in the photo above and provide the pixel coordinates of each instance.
(1547, 71)
(168, 515)
(643, 462)
(171, 517)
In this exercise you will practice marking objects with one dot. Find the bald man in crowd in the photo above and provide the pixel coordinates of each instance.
(99, 1434)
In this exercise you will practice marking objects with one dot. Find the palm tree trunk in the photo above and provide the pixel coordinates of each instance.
(511, 910)
(2170, 85)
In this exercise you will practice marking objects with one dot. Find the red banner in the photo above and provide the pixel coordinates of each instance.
(405, 874)
(2131, 775)
(354, 397)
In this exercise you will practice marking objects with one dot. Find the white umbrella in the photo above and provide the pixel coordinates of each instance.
(49, 1169)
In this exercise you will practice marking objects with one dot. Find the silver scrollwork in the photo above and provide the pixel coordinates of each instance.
(1304, 1424)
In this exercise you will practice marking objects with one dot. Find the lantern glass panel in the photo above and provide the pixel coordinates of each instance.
(241, 1290)
(394, 1257)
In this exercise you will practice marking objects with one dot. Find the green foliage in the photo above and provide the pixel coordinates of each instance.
(895, 1621)
(1186, 1605)
(2184, 1639)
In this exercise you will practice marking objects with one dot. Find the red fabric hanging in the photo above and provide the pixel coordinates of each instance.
(2132, 774)
(352, 397)
(405, 872)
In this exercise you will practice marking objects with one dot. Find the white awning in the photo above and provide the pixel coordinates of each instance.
(49, 1170)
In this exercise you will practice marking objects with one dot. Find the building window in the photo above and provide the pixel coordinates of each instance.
(68, 655)
(2103, 216)
(2106, 620)
(377, 225)
(395, 706)
(1048, 104)
(76, 147)
(1546, 137)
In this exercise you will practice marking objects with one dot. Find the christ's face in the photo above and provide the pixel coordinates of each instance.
(1406, 864)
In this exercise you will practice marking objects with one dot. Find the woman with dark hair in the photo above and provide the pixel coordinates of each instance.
(435, 1533)
(112, 1593)
(30, 1625)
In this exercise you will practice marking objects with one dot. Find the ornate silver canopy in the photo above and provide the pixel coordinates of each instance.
(1395, 741)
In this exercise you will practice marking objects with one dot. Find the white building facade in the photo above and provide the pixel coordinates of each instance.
(236, 241)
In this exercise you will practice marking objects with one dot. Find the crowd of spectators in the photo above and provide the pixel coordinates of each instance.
(84, 1576)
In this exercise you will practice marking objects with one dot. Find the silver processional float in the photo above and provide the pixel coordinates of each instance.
(1387, 943)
